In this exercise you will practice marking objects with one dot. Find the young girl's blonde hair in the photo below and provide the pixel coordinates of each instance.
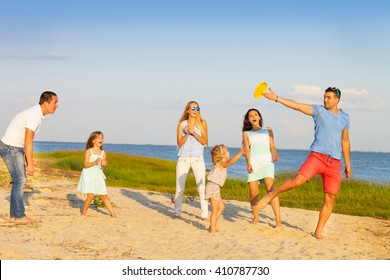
(92, 137)
(198, 118)
(216, 153)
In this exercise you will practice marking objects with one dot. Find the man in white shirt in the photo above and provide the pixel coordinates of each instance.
(16, 149)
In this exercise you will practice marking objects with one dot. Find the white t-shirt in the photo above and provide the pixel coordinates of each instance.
(15, 133)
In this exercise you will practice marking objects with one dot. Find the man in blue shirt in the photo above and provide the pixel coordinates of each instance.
(331, 139)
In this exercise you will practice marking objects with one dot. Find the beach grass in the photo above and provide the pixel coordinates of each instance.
(356, 197)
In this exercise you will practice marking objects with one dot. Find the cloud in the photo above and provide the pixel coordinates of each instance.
(354, 99)
(53, 56)
(307, 94)
(351, 98)
(46, 56)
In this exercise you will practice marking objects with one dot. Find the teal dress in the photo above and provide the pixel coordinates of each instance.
(92, 179)
(260, 155)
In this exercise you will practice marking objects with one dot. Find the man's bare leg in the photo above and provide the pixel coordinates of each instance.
(287, 185)
(326, 210)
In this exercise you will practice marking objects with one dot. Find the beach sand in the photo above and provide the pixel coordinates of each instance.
(146, 229)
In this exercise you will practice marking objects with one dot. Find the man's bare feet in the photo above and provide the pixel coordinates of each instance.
(23, 220)
(278, 225)
(255, 220)
(318, 235)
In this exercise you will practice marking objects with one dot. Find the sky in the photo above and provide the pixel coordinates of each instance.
(128, 68)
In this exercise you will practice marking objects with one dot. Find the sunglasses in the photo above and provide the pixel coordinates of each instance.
(335, 89)
(192, 108)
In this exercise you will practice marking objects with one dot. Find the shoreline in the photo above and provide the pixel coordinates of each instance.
(82, 143)
(290, 162)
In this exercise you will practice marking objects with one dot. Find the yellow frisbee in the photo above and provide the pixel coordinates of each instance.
(260, 89)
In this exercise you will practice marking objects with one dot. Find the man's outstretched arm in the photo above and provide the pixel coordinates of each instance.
(301, 107)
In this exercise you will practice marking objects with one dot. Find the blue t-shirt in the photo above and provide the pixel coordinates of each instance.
(328, 128)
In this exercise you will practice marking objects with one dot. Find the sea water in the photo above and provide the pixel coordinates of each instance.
(370, 166)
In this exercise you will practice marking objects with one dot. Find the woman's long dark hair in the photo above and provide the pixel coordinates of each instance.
(247, 125)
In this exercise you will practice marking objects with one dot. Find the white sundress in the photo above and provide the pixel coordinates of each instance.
(92, 179)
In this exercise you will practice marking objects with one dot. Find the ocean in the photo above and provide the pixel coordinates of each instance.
(370, 166)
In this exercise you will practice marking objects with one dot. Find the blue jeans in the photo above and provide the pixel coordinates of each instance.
(14, 159)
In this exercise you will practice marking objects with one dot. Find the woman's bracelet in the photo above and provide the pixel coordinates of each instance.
(277, 97)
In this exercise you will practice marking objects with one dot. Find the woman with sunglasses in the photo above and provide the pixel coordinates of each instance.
(331, 139)
(191, 139)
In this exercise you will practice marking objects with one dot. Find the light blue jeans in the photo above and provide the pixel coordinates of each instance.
(14, 159)
(184, 164)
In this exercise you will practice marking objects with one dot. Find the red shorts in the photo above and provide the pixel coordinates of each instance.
(329, 168)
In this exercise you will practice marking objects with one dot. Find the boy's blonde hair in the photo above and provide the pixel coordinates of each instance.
(217, 153)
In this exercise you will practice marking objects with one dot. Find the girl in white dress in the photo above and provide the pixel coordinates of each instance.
(92, 179)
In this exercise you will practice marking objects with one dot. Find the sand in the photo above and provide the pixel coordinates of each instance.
(146, 230)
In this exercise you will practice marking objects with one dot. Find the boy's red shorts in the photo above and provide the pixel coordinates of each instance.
(327, 167)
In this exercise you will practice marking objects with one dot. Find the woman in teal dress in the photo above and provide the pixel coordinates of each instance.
(259, 141)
